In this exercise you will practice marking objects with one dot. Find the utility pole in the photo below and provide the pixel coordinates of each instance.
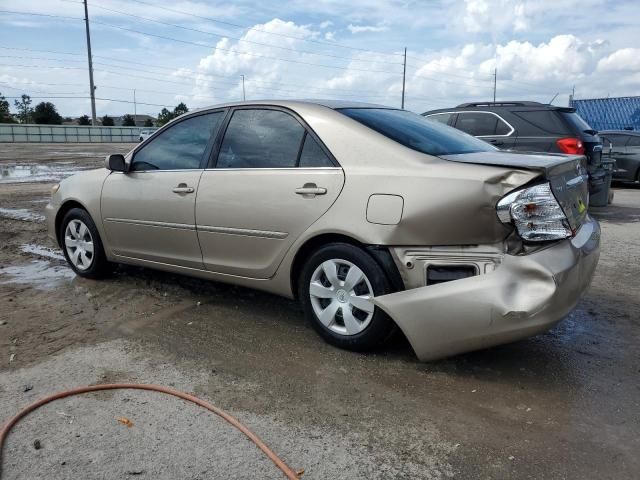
(573, 93)
(92, 88)
(495, 81)
(404, 75)
(135, 108)
(244, 97)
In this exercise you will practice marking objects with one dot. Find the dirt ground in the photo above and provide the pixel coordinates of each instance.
(561, 405)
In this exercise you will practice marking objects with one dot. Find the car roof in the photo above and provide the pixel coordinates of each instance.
(332, 104)
(505, 105)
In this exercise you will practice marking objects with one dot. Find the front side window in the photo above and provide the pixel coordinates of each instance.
(416, 132)
(180, 146)
(261, 138)
(477, 123)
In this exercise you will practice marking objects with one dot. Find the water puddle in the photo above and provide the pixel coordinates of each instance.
(38, 273)
(34, 173)
(21, 214)
(41, 251)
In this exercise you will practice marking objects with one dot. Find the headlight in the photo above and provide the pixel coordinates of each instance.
(536, 214)
(55, 188)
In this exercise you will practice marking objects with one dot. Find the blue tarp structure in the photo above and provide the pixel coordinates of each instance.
(610, 113)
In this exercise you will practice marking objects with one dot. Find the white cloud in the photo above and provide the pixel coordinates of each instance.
(367, 28)
(326, 24)
(330, 36)
(624, 60)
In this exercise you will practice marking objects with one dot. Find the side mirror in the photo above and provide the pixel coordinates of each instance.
(115, 162)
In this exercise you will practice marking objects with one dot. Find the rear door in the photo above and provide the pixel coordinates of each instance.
(487, 126)
(614, 148)
(271, 180)
(149, 212)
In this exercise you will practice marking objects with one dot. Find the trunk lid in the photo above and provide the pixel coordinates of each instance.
(566, 174)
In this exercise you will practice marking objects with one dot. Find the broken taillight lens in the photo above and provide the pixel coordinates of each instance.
(536, 214)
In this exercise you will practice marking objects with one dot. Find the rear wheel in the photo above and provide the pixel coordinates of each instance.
(337, 286)
(81, 244)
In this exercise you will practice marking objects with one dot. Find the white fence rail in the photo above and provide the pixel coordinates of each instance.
(68, 134)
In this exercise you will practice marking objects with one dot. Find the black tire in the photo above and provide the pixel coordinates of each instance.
(99, 266)
(380, 327)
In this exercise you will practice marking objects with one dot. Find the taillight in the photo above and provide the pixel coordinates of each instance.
(571, 145)
(536, 214)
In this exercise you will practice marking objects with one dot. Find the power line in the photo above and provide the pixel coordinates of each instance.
(239, 39)
(237, 52)
(310, 40)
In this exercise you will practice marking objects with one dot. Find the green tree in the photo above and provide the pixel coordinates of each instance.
(5, 114)
(24, 108)
(45, 113)
(165, 116)
(148, 123)
(128, 121)
(180, 109)
(107, 121)
(84, 120)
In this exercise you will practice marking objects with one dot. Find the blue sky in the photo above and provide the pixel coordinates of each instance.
(197, 51)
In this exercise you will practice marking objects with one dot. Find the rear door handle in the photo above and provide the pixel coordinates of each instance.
(496, 142)
(183, 188)
(310, 189)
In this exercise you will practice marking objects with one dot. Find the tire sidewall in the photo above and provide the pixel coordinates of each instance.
(99, 262)
(380, 327)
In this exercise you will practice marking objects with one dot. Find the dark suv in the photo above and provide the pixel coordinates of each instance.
(530, 127)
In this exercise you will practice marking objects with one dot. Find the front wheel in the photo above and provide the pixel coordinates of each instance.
(336, 289)
(81, 244)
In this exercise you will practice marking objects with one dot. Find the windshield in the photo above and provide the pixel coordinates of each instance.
(417, 132)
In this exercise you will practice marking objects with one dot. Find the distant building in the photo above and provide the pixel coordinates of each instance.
(616, 113)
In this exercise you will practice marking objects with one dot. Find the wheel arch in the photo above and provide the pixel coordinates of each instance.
(62, 211)
(379, 253)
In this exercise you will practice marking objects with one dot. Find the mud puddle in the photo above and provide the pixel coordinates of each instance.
(53, 172)
(23, 214)
(41, 251)
(41, 274)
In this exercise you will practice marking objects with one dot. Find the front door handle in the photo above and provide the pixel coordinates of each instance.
(496, 142)
(183, 188)
(310, 190)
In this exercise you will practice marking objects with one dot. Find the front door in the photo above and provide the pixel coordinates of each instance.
(149, 212)
(272, 180)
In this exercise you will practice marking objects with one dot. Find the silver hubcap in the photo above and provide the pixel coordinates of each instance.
(341, 296)
(79, 244)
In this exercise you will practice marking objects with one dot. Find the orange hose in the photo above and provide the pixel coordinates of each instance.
(290, 474)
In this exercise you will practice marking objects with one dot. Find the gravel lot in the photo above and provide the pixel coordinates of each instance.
(565, 404)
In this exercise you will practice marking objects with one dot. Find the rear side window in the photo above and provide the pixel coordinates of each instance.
(416, 132)
(440, 117)
(477, 123)
(634, 141)
(260, 138)
(181, 146)
(541, 122)
(312, 156)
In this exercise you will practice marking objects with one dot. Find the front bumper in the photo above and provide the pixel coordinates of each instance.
(50, 218)
(523, 296)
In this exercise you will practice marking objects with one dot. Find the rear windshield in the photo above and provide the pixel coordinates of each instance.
(577, 122)
(417, 132)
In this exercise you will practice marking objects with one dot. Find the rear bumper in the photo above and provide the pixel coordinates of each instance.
(523, 296)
